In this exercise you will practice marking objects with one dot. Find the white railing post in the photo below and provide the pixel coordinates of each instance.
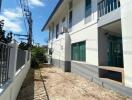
(13, 60)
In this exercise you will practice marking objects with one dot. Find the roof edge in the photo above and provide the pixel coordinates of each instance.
(52, 14)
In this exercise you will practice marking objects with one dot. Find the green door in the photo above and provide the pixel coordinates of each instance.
(115, 52)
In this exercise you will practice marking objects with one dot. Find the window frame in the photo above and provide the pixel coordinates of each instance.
(63, 20)
(70, 14)
(57, 30)
(49, 33)
(88, 8)
(78, 51)
(70, 18)
(53, 31)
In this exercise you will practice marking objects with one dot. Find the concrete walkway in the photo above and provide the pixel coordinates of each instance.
(33, 87)
(51, 83)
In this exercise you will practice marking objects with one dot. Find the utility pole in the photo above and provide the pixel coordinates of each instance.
(30, 29)
(28, 15)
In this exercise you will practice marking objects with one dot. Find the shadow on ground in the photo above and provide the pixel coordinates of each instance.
(33, 87)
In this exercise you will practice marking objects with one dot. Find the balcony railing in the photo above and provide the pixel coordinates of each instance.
(4, 63)
(106, 6)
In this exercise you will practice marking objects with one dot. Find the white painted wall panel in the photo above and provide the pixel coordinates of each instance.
(59, 48)
(79, 15)
(126, 15)
(90, 35)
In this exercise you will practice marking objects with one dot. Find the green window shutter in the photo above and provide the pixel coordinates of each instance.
(82, 51)
(72, 52)
(73, 49)
(78, 51)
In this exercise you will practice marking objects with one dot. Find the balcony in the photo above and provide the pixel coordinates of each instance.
(108, 12)
(106, 6)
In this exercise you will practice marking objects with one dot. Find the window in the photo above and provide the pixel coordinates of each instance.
(53, 30)
(57, 30)
(79, 51)
(70, 19)
(70, 14)
(63, 20)
(49, 33)
(88, 10)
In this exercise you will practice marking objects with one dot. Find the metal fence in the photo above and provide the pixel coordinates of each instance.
(28, 56)
(4, 63)
(106, 6)
(21, 54)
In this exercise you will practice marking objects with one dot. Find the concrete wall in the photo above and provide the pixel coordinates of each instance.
(60, 46)
(126, 16)
(61, 51)
(11, 89)
(91, 72)
(64, 65)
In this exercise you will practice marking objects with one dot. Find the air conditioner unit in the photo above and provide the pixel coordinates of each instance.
(64, 30)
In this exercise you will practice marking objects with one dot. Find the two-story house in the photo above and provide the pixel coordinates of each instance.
(93, 38)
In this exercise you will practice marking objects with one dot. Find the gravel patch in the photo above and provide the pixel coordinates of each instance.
(52, 83)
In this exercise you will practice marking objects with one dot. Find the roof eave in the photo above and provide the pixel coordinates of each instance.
(52, 14)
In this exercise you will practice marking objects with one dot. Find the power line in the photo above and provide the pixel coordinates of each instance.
(22, 15)
(21, 35)
(22, 39)
(28, 16)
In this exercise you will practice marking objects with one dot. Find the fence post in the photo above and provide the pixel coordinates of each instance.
(13, 60)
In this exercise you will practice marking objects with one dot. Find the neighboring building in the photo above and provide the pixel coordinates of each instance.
(93, 38)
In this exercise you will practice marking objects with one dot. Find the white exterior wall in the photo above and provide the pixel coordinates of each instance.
(59, 48)
(88, 32)
(80, 31)
(90, 35)
(79, 15)
(126, 16)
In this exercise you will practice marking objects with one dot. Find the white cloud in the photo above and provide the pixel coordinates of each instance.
(36, 3)
(12, 19)
(13, 13)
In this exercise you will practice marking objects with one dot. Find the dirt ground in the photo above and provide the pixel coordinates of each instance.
(51, 83)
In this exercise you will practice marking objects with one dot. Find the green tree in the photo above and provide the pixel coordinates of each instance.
(38, 55)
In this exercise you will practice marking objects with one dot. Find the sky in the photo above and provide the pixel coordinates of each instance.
(12, 14)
